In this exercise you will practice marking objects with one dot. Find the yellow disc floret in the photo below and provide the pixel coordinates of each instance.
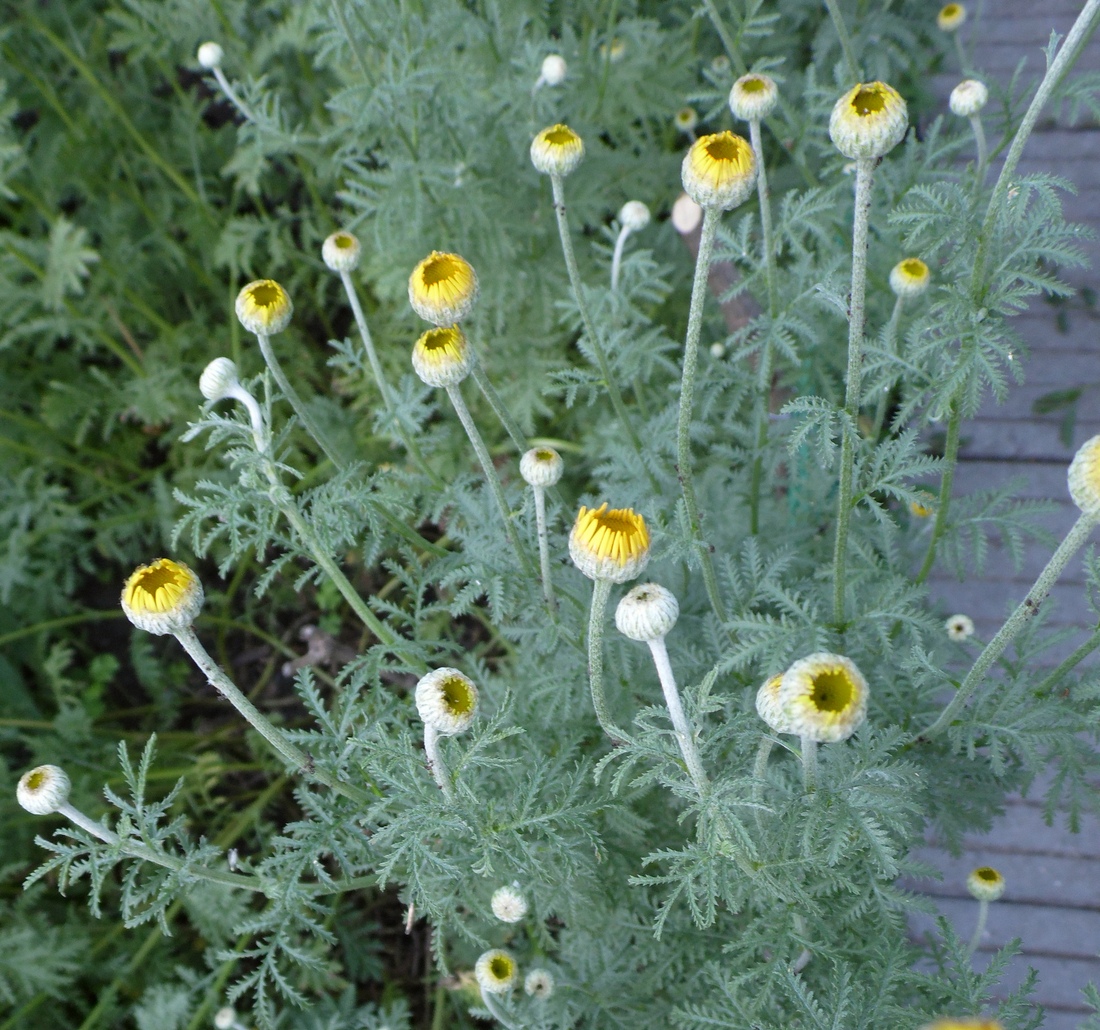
(557, 150)
(496, 972)
(609, 544)
(868, 121)
(719, 170)
(443, 288)
(823, 697)
(443, 357)
(264, 307)
(964, 1024)
(162, 597)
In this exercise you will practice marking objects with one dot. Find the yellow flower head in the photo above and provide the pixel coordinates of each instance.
(924, 507)
(753, 97)
(824, 697)
(964, 1024)
(985, 883)
(909, 278)
(719, 170)
(446, 700)
(951, 17)
(163, 597)
(686, 119)
(1084, 477)
(611, 544)
(264, 307)
(443, 357)
(43, 790)
(496, 972)
(443, 288)
(616, 53)
(769, 708)
(341, 251)
(557, 150)
(868, 121)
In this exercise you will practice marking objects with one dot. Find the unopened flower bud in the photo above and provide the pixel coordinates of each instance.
(163, 597)
(753, 97)
(686, 119)
(985, 883)
(263, 306)
(217, 379)
(443, 288)
(443, 357)
(541, 466)
(446, 700)
(341, 251)
(539, 983)
(553, 70)
(909, 278)
(496, 972)
(824, 697)
(719, 171)
(210, 56)
(868, 121)
(509, 906)
(951, 17)
(686, 215)
(1084, 477)
(557, 150)
(609, 544)
(647, 612)
(634, 215)
(968, 98)
(43, 790)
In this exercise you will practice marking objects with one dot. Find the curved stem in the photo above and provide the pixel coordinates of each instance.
(809, 764)
(950, 462)
(511, 426)
(1067, 54)
(260, 435)
(845, 39)
(685, 736)
(601, 589)
(711, 218)
(437, 765)
(982, 148)
(300, 409)
(979, 928)
(455, 393)
(617, 257)
(1016, 621)
(864, 172)
(544, 546)
(293, 755)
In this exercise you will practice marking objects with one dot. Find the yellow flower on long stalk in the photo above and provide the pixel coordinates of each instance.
(443, 288)
(443, 357)
(557, 150)
(263, 306)
(909, 277)
(719, 171)
(162, 597)
(868, 121)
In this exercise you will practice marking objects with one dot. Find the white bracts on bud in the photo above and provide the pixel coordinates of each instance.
(968, 98)
(769, 708)
(341, 251)
(210, 56)
(553, 71)
(686, 215)
(634, 215)
(43, 790)
(753, 97)
(225, 1019)
(647, 612)
(509, 906)
(219, 379)
(868, 121)
(1084, 477)
(539, 983)
(496, 972)
(446, 701)
(541, 467)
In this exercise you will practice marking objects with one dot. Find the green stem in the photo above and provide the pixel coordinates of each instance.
(764, 199)
(711, 218)
(437, 765)
(544, 546)
(601, 590)
(1078, 656)
(293, 755)
(586, 316)
(960, 53)
(983, 149)
(1016, 621)
(1067, 54)
(864, 172)
(979, 929)
(890, 342)
(511, 426)
(845, 39)
(300, 409)
(760, 773)
(380, 378)
(685, 735)
(455, 393)
(729, 44)
(809, 764)
(950, 463)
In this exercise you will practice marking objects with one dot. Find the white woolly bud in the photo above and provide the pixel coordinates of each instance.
(446, 700)
(539, 983)
(217, 379)
(753, 97)
(541, 466)
(509, 906)
(340, 251)
(647, 612)
(553, 70)
(634, 215)
(210, 56)
(968, 98)
(686, 215)
(225, 1018)
(959, 627)
(44, 790)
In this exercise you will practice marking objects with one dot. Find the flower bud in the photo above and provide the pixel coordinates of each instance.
(443, 357)
(443, 288)
(611, 544)
(951, 17)
(210, 56)
(769, 708)
(719, 171)
(753, 97)
(959, 627)
(985, 883)
(553, 70)
(824, 697)
(686, 215)
(163, 597)
(541, 466)
(341, 251)
(868, 121)
(43, 790)
(968, 98)
(225, 1018)
(509, 906)
(446, 700)
(557, 150)
(1084, 477)
(647, 612)
(686, 119)
(217, 379)
(264, 307)
(539, 983)
(496, 972)
(909, 278)
(634, 215)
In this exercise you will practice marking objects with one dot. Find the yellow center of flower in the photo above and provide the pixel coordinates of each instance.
(560, 136)
(869, 100)
(922, 511)
(544, 455)
(457, 696)
(443, 279)
(266, 295)
(501, 968)
(34, 781)
(951, 11)
(988, 874)
(443, 346)
(619, 534)
(914, 268)
(753, 85)
(158, 587)
(344, 241)
(833, 691)
(685, 116)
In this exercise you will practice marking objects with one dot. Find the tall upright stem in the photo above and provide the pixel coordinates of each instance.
(764, 198)
(685, 736)
(890, 343)
(436, 763)
(947, 480)
(511, 426)
(845, 39)
(586, 315)
(491, 477)
(601, 590)
(293, 755)
(979, 928)
(296, 403)
(1016, 621)
(544, 546)
(982, 148)
(864, 172)
(711, 218)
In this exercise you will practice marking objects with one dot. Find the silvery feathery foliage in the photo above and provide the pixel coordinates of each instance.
(754, 902)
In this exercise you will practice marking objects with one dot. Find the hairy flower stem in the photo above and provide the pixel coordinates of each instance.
(455, 393)
(437, 765)
(864, 172)
(1067, 54)
(983, 149)
(685, 736)
(845, 39)
(488, 391)
(764, 198)
(586, 316)
(544, 546)
(293, 755)
(617, 257)
(601, 590)
(979, 928)
(380, 378)
(889, 346)
(711, 218)
(809, 764)
(950, 463)
(311, 426)
(1016, 621)
(148, 854)
(1075, 659)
